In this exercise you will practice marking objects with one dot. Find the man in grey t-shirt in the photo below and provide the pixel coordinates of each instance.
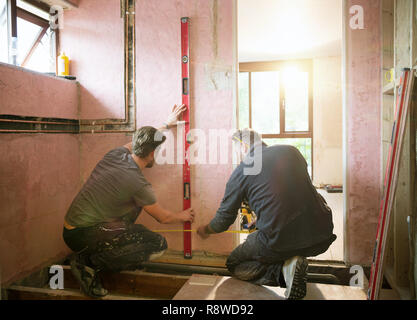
(100, 223)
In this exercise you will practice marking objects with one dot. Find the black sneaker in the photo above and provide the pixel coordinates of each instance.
(295, 275)
(88, 279)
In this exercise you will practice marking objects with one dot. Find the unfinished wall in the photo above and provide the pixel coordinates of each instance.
(29, 93)
(158, 89)
(39, 173)
(328, 121)
(363, 54)
(212, 98)
(93, 40)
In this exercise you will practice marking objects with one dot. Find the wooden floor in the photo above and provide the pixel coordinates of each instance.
(139, 285)
(203, 287)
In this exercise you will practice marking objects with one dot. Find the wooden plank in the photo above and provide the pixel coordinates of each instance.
(413, 189)
(30, 293)
(200, 258)
(398, 253)
(332, 292)
(226, 288)
(136, 283)
(403, 201)
(303, 65)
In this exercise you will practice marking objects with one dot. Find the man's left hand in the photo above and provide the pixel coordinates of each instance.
(202, 232)
(173, 118)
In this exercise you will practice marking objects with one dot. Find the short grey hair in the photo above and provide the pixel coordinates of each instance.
(146, 140)
(248, 136)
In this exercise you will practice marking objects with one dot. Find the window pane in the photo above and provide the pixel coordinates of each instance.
(265, 102)
(3, 32)
(42, 60)
(303, 145)
(27, 33)
(296, 101)
(243, 100)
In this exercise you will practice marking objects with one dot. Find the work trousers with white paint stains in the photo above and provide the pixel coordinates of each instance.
(115, 246)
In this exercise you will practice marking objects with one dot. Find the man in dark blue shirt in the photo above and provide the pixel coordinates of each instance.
(293, 220)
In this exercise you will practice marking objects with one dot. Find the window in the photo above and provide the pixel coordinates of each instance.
(26, 38)
(275, 99)
(3, 32)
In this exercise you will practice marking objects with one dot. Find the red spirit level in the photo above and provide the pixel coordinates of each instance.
(185, 61)
(390, 182)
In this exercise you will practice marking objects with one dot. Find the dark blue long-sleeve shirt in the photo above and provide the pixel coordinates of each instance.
(290, 212)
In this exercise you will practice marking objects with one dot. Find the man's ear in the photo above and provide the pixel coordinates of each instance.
(246, 148)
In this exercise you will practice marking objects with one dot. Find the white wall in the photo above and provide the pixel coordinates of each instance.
(328, 125)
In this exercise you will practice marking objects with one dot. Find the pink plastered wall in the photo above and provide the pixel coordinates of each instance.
(39, 178)
(212, 83)
(92, 38)
(40, 174)
(364, 132)
(28, 93)
(158, 52)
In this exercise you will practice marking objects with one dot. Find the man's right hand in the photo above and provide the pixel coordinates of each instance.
(187, 215)
(168, 217)
(174, 117)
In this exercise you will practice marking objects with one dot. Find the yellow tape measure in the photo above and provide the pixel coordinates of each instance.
(165, 231)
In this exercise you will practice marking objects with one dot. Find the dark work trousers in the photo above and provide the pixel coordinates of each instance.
(114, 246)
(254, 263)
(248, 263)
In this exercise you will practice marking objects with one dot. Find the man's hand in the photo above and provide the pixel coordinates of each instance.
(187, 215)
(168, 217)
(173, 118)
(202, 232)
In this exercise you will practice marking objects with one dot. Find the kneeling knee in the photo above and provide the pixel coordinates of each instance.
(163, 244)
(160, 250)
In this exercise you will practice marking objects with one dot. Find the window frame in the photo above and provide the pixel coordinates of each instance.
(34, 19)
(15, 12)
(303, 65)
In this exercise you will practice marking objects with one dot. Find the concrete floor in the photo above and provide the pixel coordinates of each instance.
(335, 252)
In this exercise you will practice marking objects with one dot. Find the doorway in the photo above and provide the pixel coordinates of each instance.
(290, 88)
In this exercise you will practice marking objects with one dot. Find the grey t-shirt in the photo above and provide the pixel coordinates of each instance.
(116, 190)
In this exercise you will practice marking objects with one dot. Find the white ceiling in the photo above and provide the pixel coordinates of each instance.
(289, 29)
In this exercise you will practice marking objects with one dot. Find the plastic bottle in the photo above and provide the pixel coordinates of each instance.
(63, 65)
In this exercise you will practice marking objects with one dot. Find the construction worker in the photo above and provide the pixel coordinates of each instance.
(100, 223)
(293, 220)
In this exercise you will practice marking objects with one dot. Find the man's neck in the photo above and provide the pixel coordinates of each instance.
(139, 161)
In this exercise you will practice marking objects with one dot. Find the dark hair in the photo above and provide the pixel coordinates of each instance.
(247, 136)
(146, 140)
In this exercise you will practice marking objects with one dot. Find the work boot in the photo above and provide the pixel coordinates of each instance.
(88, 278)
(295, 276)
